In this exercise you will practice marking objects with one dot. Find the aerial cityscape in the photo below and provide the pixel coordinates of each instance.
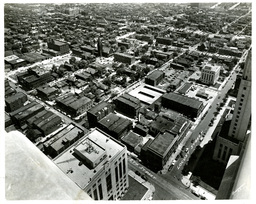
(127, 101)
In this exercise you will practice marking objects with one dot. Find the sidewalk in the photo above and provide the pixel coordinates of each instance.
(197, 190)
(151, 189)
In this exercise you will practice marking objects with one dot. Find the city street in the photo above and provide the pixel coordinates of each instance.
(173, 190)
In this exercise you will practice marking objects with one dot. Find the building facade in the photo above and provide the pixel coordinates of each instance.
(127, 105)
(154, 78)
(231, 143)
(15, 101)
(98, 112)
(124, 58)
(61, 47)
(98, 165)
(210, 74)
(188, 106)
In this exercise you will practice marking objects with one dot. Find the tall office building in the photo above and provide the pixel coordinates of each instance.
(230, 142)
(98, 165)
(242, 113)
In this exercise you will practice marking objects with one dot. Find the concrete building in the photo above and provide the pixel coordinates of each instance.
(148, 95)
(155, 153)
(154, 78)
(59, 46)
(124, 58)
(98, 165)
(15, 101)
(74, 105)
(114, 125)
(127, 105)
(188, 106)
(230, 142)
(8, 90)
(31, 175)
(236, 181)
(62, 140)
(98, 112)
(210, 74)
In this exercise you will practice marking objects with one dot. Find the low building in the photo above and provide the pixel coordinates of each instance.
(45, 121)
(185, 88)
(154, 78)
(98, 165)
(59, 46)
(164, 41)
(148, 95)
(21, 115)
(115, 125)
(46, 92)
(15, 101)
(175, 84)
(155, 153)
(125, 44)
(98, 112)
(74, 104)
(34, 77)
(210, 74)
(127, 105)
(188, 106)
(8, 90)
(141, 129)
(131, 140)
(62, 140)
(124, 58)
(15, 61)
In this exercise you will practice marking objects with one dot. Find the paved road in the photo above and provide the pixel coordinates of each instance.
(176, 191)
(204, 124)
(66, 119)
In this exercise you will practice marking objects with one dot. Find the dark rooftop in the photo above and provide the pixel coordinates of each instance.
(132, 139)
(162, 143)
(155, 75)
(191, 102)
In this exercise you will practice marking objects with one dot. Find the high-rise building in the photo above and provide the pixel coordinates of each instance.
(242, 113)
(98, 165)
(230, 142)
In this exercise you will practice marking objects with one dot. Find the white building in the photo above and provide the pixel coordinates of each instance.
(210, 74)
(98, 165)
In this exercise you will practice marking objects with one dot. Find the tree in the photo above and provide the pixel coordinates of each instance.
(72, 60)
(122, 48)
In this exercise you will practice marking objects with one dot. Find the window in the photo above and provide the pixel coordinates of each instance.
(235, 124)
(124, 170)
(95, 194)
(244, 88)
(116, 172)
(242, 95)
(100, 192)
(109, 182)
(120, 169)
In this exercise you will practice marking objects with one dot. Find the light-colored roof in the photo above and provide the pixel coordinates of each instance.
(30, 175)
(147, 94)
(82, 174)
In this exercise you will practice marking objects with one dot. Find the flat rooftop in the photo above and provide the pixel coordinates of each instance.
(25, 179)
(155, 74)
(81, 174)
(66, 134)
(191, 102)
(211, 67)
(163, 143)
(147, 94)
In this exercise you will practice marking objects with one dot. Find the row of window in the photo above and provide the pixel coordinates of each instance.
(223, 154)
